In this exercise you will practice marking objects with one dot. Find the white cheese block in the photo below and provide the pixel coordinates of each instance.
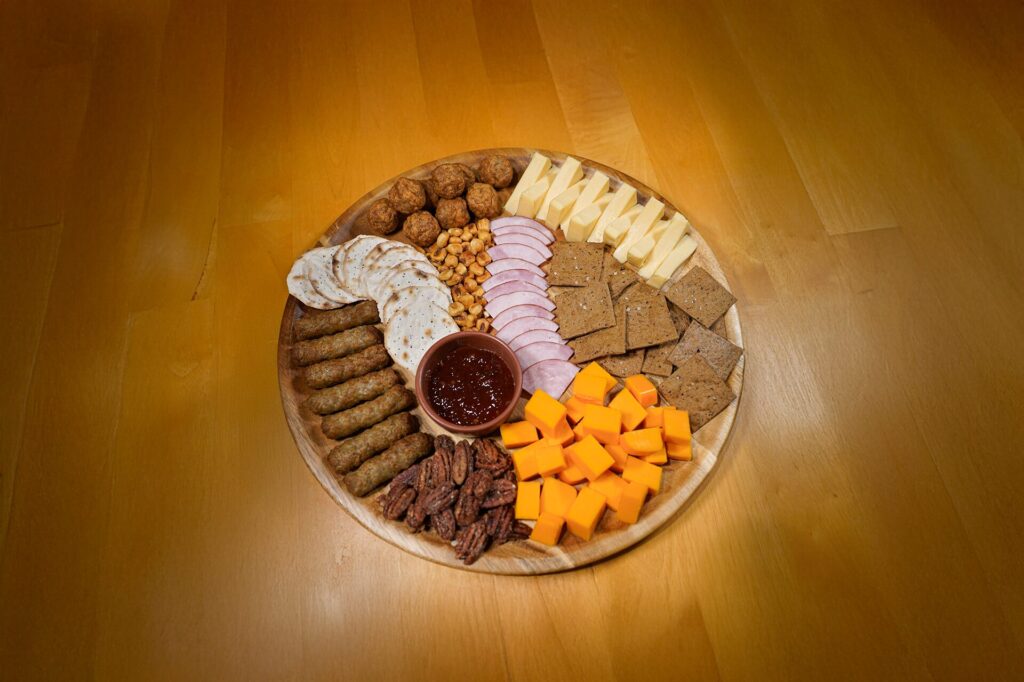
(583, 222)
(535, 170)
(596, 187)
(561, 205)
(618, 227)
(622, 200)
(641, 249)
(568, 174)
(683, 250)
(641, 226)
(666, 241)
(530, 201)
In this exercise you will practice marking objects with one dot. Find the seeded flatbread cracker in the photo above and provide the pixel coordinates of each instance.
(581, 310)
(696, 388)
(413, 330)
(701, 296)
(617, 276)
(648, 322)
(656, 360)
(610, 341)
(624, 365)
(575, 264)
(679, 317)
(719, 353)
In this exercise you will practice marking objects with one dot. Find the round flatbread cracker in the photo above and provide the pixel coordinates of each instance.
(414, 330)
(386, 282)
(348, 262)
(410, 297)
(320, 273)
(301, 288)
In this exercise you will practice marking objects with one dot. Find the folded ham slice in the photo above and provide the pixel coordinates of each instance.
(517, 251)
(511, 288)
(550, 376)
(539, 230)
(504, 265)
(532, 353)
(497, 306)
(527, 276)
(524, 240)
(515, 328)
(534, 335)
(515, 312)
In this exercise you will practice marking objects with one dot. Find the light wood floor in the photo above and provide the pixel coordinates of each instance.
(856, 166)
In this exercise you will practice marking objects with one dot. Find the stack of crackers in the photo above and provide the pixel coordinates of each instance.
(677, 337)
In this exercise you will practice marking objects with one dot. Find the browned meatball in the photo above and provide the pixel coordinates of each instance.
(469, 173)
(503, 194)
(497, 171)
(452, 213)
(421, 228)
(449, 182)
(432, 198)
(382, 217)
(483, 201)
(407, 195)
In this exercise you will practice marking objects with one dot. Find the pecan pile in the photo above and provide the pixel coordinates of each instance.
(465, 492)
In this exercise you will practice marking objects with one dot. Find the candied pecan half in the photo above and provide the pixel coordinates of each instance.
(407, 477)
(440, 498)
(502, 492)
(472, 543)
(416, 516)
(444, 443)
(397, 502)
(499, 519)
(444, 523)
(520, 531)
(467, 507)
(462, 463)
(479, 483)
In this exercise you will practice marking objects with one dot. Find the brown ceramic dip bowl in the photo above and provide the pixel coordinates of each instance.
(469, 383)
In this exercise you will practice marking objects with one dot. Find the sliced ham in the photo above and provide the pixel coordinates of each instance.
(523, 325)
(550, 376)
(524, 240)
(515, 312)
(506, 264)
(517, 251)
(532, 353)
(534, 335)
(511, 288)
(542, 233)
(500, 304)
(506, 276)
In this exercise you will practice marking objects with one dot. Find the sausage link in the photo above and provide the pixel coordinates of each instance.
(335, 345)
(331, 372)
(352, 392)
(323, 322)
(351, 452)
(347, 422)
(388, 464)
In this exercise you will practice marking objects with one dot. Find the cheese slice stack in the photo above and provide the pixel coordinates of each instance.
(535, 170)
(640, 227)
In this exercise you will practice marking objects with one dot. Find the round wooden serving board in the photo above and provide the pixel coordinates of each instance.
(681, 480)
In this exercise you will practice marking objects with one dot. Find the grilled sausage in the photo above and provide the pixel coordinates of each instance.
(322, 322)
(330, 372)
(352, 392)
(388, 464)
(336, 345)
(347, 422)
(351, 452)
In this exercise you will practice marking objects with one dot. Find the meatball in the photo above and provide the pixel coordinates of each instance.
(449, 182)
(421, 228)
(503, 194)
(407, 195)
(483, 201)
(469, 173)
(432, 198)
(382, 217)
(452, 213)
(497, 171)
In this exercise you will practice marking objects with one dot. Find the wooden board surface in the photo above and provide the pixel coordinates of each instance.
(681, 480)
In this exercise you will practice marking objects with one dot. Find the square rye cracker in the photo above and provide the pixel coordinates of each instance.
(581, 310)
(696, 388)
(617, 276)
(701, 296)
(648, 322)
(575, 264)
(718, 352)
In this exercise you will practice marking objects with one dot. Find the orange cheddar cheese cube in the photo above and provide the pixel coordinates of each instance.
(585, 512)
(680, 451)
(571, 474)
(544, 412)
(642, 389)
(633, 412)
(644, 472)
(630, 502)
(548, 529)
(580, 432)
(597, 370)
(611, 486)
(618, 456)
(556, 497)
(654, 417)
(603, 423)
(641, 442)
(574, 409)
(659, 457)
(525, 463)
(528, 500)
(677, 426)
(550, 460)
(588, 455)
(518, 434)
(562, 434)
(589, 388)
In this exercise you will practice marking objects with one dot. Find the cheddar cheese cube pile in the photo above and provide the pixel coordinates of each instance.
(575, 459)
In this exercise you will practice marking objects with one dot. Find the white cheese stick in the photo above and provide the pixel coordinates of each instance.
(618, 227)
(530, 201)
(622, 200)
(670, 236)
(641, 249)
(596, 187)
(568, 173)
(535, 170)
(641, 226)
(583, 222)
(561, 205)
(684, 249)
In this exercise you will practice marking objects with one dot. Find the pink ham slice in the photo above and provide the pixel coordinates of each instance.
(523, 325)
(497, 280)
(525, 240)
(543, 234)
(534, 335)
(517, 251)
(501, 224)
(532, 353)
(550, 376)
(515, 312)
(497, 306)
(512, 287)
(506, 264)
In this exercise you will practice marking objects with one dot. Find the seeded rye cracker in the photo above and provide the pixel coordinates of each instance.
(624, 365)
(581, 310)
(656, 360)
(610, 341)
(617, 276)
(679, 317)
(697, 389)
(575, 264)
(720, 353)
(701, 296)
(648, 322)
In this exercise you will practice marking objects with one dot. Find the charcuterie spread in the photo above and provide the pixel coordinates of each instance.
(512, 355)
